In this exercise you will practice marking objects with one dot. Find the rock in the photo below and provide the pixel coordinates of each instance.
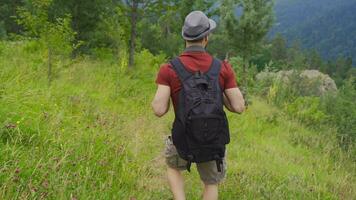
(327, 84)
(310, 82)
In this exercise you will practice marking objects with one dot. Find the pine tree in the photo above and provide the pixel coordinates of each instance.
(136, 10)
(279, 49)
(247, 28)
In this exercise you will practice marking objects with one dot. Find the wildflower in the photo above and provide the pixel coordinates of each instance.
(10, 126)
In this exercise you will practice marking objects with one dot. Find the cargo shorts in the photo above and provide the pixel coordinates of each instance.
(208, 171)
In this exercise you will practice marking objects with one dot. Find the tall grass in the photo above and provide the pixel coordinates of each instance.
(91, 135)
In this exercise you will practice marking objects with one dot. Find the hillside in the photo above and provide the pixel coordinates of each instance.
(328, 26)
(91, 135)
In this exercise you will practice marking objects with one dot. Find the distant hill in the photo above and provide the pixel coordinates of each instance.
(328, 25)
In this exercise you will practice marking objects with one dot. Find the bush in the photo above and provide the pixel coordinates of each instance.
(341, 110)
(147, 63)
(312, 102)
(237, 64)
(2, 47)
(307, 110)
(332, 109)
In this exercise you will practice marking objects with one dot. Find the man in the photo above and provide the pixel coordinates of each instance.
(195, 32)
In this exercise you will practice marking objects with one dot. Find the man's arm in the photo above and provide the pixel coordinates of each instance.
(227, 103)
(160, 103)
(234, 100)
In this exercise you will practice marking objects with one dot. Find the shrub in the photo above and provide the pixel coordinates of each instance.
(147, 63)
(57, 36)
(332, 109)
(307, 110)
(2, 47)
(237, 64)
(341, 110)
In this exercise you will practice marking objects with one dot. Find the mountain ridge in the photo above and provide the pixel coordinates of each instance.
(327, 26)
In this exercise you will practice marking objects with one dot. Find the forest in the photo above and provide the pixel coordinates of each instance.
(328, 26)
(77, 79)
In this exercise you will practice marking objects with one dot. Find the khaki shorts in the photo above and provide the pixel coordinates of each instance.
(208, 171)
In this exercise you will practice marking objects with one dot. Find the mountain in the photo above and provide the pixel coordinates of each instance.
(328, 26)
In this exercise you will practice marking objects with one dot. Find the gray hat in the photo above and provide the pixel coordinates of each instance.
(197, 25)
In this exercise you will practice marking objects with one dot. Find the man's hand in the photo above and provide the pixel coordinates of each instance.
(234, 100)
(160, 103)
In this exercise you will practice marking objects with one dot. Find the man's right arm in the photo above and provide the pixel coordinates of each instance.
(234, 100)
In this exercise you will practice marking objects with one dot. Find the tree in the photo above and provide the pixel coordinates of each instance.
(315, 61)
(136, 10)
(279, 49)
(7, 17)
(247, 30)
(56, 36)
(88, 20)
(165, 25)
(296, 58)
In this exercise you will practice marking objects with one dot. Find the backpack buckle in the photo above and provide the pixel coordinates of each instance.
(189, 163)
(197, 74)
(219, 162)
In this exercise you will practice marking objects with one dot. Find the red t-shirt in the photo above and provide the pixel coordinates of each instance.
(194, 61)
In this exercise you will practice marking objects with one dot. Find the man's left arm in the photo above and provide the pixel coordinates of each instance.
(160, 103)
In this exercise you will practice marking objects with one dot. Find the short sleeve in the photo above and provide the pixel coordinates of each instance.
(228, 75)
(163, 76)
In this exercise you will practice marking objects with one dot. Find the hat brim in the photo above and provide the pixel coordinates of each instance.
(202, 35)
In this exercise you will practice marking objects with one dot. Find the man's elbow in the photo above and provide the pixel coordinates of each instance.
(159, 111)
(239, 108)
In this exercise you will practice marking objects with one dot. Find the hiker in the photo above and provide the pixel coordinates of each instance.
(199, 86)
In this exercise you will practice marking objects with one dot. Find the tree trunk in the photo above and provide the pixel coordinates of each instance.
(244, 88)
(244, 75)
(133, 33)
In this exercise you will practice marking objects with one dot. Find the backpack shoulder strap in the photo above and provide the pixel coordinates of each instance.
(215, 68)
(180, 69)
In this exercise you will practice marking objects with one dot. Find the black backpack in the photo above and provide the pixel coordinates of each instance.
(200, 129)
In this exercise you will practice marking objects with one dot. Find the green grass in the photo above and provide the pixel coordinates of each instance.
(92, 135)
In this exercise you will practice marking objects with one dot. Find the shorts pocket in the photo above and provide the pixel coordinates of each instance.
(171, 155)
(170, 149)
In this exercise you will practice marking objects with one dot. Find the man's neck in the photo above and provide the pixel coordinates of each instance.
(199, 48)
(196, 44)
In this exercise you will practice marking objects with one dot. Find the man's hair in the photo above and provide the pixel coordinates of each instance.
(196, 41)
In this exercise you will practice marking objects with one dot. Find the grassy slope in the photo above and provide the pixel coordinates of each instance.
(91, 135)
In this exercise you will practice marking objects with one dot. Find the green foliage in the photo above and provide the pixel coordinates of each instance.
(341, 109)
(298, 98)
(327, 25)
(111, 32)
(251, 27)
(307, 109)
(3, 34)
(161, 30)
(237, 64)
(160, 37)
(57, 36)
(93, 21)
(2, 47)
(288, 87)
(8, 23)
(247, 31)
(279, 50)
